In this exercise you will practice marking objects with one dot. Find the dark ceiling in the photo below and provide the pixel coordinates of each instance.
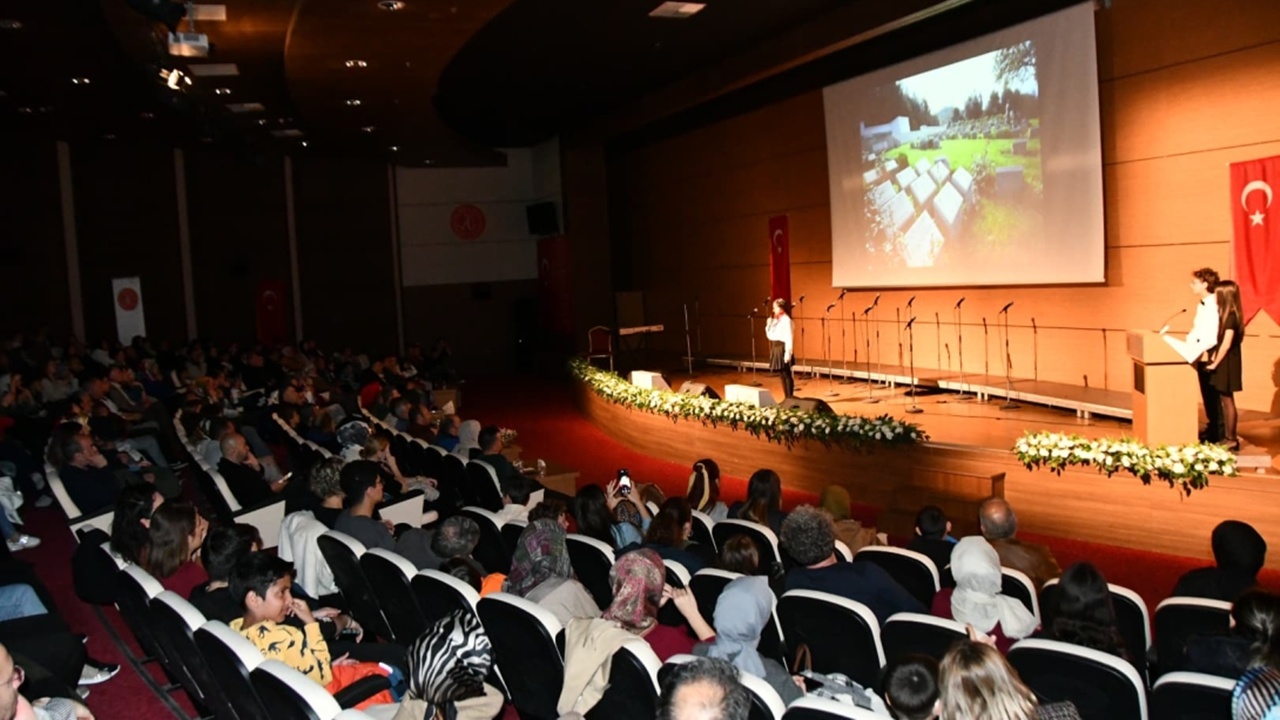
(437, 82)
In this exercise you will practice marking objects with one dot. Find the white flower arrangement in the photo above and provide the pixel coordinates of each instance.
(774, 423)
(1188, 466)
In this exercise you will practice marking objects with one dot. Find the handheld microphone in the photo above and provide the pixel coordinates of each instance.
(876, 302)
(830, 306)
(1164, 327)
(911, 301)
(959, 303)
(1005, 309)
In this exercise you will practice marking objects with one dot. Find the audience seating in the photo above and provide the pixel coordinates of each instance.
(1016, 584)
(843, 553)
(1178, 618)
(289, 695)
(817, 708)
(1191, 696)
(481, 488)
(526, 651)
(491, 550)
(592, 560)
(77, 521)
(677, 574)
(391, 576)
(1131, 617)
(134, 590)
(267, 516)
(176, 622)
(632, 693)
(842, 635)
(231, 659)
(914, 571)
(914, 633)
(439, 594)
(1102, 686)
(765, 539)
(511, 532)
(343, 552)
(702, 524)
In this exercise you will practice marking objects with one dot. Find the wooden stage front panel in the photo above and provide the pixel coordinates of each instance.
(1079, 504)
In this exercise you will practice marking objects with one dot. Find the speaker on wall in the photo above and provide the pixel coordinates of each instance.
(543, 218)
(696, 388)
(807, 405)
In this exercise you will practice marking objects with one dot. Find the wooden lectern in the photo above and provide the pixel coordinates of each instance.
(1166, 393)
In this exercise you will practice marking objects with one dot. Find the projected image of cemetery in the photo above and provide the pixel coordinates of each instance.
(951, 165)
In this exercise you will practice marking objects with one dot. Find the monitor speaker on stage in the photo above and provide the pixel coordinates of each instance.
(807, 405)
(696, 388)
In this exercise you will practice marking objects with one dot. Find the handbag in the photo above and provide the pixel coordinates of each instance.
(833, 686)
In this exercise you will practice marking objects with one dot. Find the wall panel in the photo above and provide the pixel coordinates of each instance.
(33, 265)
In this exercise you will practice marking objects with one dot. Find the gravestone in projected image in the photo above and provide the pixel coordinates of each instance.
(951, 158)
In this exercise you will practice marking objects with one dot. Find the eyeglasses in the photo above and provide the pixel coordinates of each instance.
(17, 676)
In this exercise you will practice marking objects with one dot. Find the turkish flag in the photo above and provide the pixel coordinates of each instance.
(1256, 244)
(779, 258)
(269, 311)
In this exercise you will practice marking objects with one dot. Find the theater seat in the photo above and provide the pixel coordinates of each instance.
(632, 693)
(1101, 686)
(525, 649)
(842, 635)
(491, 549)
(592, 560)
(289, 695)
(231, 659)
(391, 575)
(766, 704)
(1016, 584)
(818, 708)
(482, 488)
(343, 552)
(440, 594)
(916, 634)
(1178, 618)
(176, 622)
(134, 590)
(1191, 696)
(914, 571)
(765, 539)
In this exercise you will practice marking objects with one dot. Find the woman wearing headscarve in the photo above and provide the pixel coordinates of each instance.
(704, 490)
(447, 668)
(541, 573)
(1257, 695)
(835, 500)
(468, 440)
(1239, 552)
(742, 612)
(639, 589)
(976, 598)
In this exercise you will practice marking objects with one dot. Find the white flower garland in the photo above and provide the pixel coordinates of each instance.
(1186, 465)
(775, 423)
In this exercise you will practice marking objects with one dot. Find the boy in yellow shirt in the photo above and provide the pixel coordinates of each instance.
(263, 584)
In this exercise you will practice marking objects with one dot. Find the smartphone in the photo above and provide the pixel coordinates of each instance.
(624, 482)
(285, 478)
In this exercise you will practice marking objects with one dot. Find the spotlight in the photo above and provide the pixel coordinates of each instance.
(356, 64)
(394, 148)
(391, 5)
(80, 81)
(368, 128)
(222, 91)
(354, 102)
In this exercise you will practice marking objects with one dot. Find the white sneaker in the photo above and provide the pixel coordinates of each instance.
(90, 675)
(24, 542)
(43, 501)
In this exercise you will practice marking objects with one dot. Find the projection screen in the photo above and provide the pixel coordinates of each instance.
(979, 164)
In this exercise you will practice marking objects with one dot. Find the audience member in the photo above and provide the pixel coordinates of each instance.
(464, 570)
(639, 588)
(977, 683)
(448, 666)
(378, 449)
(1256, 695)
(669, 534)
(491, 454)
(594, 510)
(999, 525)
(911, 688)
(541, 573)
(14, 704)
(244, 474)
(835, 500)
(1239, 552)
(932, 539)
(1084, 614)
(516, 491)
(174, 538)
(552, 509)
(740, 555)
(131, 523)
(224, 547)
(326, 486)
(809, 537)
(467, 447)
(744, 608)
(447, 434)
(456, 538)
(362, 491)
(764, 501)
(1254, 639)
(704, 490)
(704, 690)
(91, 485)
(976, 599)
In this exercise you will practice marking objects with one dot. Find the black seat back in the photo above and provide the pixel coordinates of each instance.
(632, 693)
(1178, 619)
(841, 635)
(390, 575)
(439, 595)
(134, 601)
(1012, 586)
(481, 487)
(592, 565)
(178, 637)
(1101, 686)
(525, 650)
(1191, 696)
(766, 547)
(491, 549)
(229, 670)
(915, 572)
(912, 634)
(357, 593)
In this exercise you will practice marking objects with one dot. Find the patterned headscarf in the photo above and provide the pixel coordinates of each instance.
(450, 661)
(1257, 695)
(638, 579)
(541, 554)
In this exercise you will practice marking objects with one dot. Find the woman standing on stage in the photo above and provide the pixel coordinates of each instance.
(1225, 368)
(1202, 338)
(778, 329)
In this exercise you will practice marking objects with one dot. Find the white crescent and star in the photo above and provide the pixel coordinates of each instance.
(777, 237)
(1257, 217)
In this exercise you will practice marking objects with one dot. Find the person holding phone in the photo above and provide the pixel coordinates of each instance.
(778, 330)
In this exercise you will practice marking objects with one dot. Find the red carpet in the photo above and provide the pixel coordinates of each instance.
(550, 427)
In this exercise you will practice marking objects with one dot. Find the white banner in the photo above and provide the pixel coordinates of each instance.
(130, 321)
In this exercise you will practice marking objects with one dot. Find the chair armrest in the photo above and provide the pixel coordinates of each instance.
(406, 510)
(101, 520)
(361, 690)
(267, 517)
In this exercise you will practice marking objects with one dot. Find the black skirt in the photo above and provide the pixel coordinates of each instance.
(777, 355)
(1228, 377)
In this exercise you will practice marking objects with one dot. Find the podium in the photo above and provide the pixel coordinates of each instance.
(1166, 392)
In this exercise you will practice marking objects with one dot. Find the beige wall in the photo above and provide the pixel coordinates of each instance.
(1186, 88)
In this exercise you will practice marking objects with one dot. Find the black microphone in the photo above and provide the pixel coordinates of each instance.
(909, 322)
(1005, 309)
(1033, 326)
(876, 302)
(959, 303)
(842, 292)
(830, 306)
(911, 301)
(801, 298)
(1164, 327)
(867, 309)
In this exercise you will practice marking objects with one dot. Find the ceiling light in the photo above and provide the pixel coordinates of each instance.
(391, 5)
(109, 136)
(222, 91)
(677, 10)
(354, 102)
(175, 78)
(428, 162)
(10, 24)
(368, 128)
(262, 121)
(147, 115)
(394, 148)
(80, 81)
(24, 110)
(303, 143)
(357, 64)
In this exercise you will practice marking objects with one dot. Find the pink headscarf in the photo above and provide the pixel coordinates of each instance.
(638, 578)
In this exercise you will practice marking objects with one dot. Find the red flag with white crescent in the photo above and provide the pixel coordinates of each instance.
(1255, 217)
(779, 258)
(270, 312)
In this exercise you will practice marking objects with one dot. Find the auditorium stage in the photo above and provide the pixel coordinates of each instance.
(966, 459)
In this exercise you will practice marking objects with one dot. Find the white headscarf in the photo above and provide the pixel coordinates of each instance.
(468, 437)
(977, 600)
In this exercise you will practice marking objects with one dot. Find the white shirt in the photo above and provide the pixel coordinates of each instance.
(1204, 328)
(779, 330)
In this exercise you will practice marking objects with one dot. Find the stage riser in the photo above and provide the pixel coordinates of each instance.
(1079, 504)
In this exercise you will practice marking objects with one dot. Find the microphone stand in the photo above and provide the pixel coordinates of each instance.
(866, 319)
(1008, 404)
(875, 312)
(831, 366)
(937, 324)
(986, 359)
(897, 323)
(801, 362)
(1035, 351)
(911, 353)
(959, 322)
(688, 342)
(697, 319)
(751, 327)
(844, 349)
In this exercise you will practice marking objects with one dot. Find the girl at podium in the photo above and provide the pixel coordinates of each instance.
(778, 330)
(1202, 338)
(1225, 374)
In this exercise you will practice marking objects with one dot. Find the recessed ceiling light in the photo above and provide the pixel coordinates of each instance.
(222, 91)
(394, 148)
(24, 110)
(10, 24)
(357, 64)
(354, 102)
(428, 162)
(80, 81)
(677, 10)
(263, 121)
(109, 136)
(368, 128)
(391, 5)
(303, 143)
(147, 115)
